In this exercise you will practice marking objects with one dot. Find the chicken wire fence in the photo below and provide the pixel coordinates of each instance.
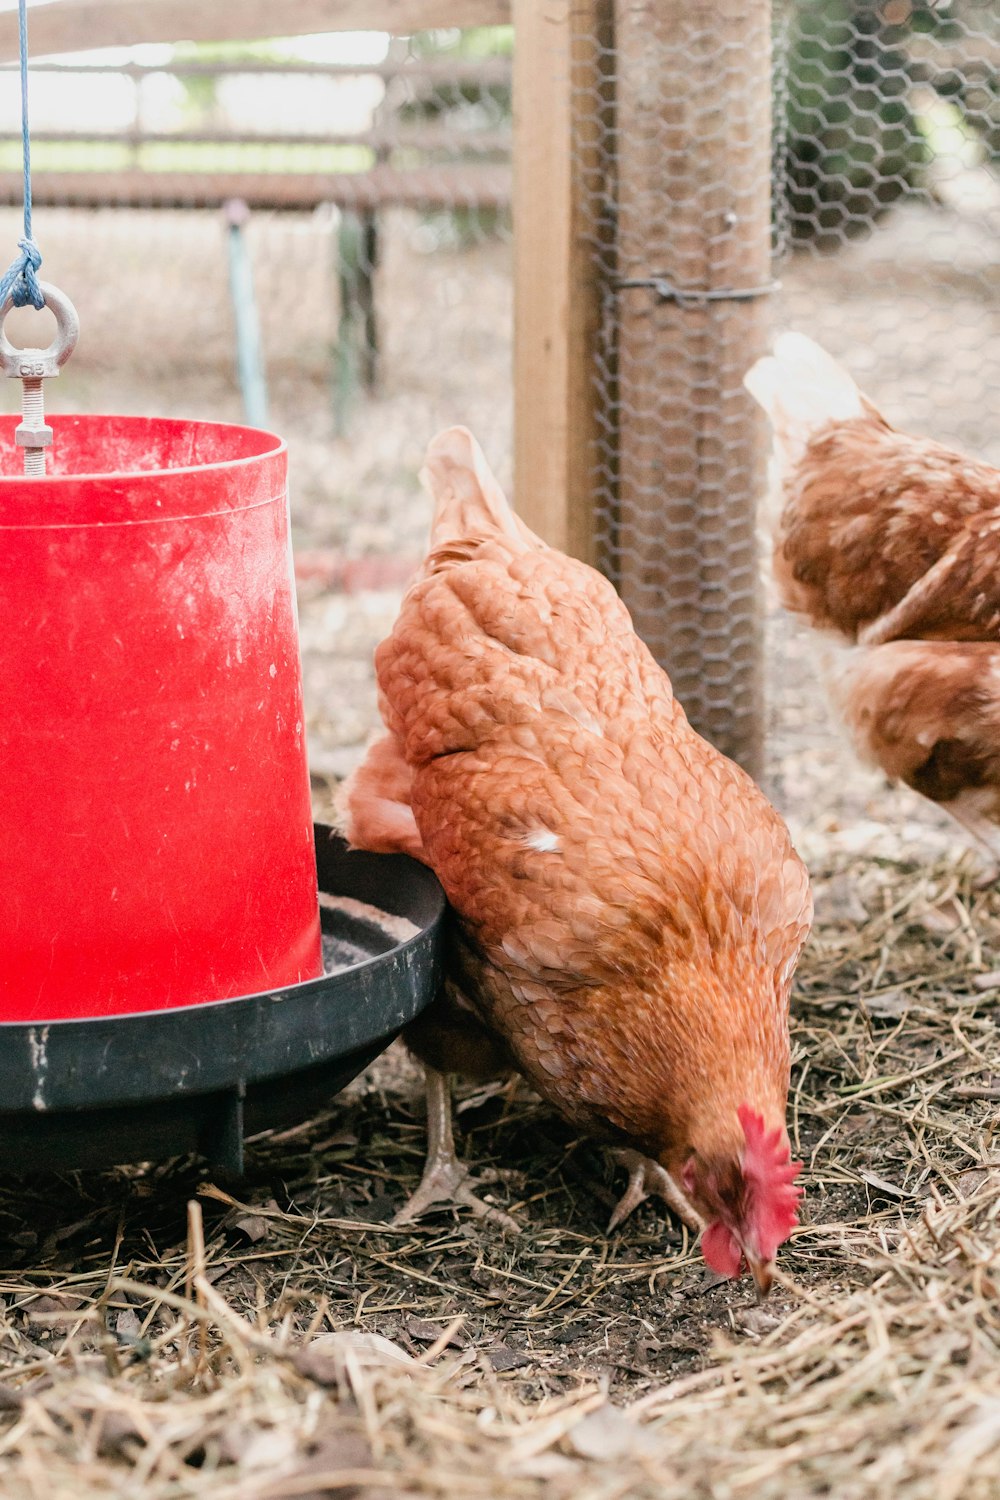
(830, 166)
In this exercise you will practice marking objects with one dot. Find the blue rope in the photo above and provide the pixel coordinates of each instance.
(21, 282)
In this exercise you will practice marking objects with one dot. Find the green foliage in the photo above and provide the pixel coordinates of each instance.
(853, 134)
(851, 143)
(436, 100)
(972, 84)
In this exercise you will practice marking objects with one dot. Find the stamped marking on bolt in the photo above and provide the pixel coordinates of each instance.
(31, 367)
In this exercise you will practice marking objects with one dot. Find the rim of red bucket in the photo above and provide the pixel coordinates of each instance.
(56, 419)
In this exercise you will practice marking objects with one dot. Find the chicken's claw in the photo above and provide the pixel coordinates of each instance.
(445, 1180)
(648, 1179)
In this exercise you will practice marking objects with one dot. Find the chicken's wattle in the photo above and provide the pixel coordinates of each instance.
(721, 1250)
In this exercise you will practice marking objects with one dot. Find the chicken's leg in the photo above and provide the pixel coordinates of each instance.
(646, 1179)
(445, 1180)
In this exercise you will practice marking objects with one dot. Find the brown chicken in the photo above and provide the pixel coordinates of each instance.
(892, 543)
(627, 907)
(928, 713)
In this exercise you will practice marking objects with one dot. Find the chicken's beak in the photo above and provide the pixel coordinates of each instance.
(762, 1272)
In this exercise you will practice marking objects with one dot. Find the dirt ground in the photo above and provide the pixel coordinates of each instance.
(230, 1349)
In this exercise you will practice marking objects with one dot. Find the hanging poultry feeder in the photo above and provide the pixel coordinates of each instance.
(162, 975)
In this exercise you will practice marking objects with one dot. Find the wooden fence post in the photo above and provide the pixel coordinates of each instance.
(557, 290)
(693, 102)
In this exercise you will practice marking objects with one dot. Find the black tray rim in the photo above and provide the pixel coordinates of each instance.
(420, 873)
(143, 1056)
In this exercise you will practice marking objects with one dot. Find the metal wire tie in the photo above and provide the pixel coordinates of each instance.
(686, 297)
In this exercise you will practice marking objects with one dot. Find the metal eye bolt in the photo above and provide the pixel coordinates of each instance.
(31, 367)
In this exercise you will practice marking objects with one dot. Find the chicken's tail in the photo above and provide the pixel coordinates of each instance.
(372, 807)
(802, 389)
(469, 505)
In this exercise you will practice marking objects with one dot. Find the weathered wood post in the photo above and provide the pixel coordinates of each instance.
(557, 301)
(694, 270)
(642, 251)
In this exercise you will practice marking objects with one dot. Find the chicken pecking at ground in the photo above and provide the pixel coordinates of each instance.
(892, 544)
(627, 909)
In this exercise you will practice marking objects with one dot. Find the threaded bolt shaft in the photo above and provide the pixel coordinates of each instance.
(33, 415)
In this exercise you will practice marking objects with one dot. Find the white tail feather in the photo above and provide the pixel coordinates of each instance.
(802, 389)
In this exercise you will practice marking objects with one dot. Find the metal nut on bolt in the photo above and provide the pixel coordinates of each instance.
(32, 437)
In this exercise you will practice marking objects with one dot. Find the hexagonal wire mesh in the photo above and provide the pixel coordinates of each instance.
(385, 298)
(377, 172)
(884, 119)
(887, 198)
(678, 209)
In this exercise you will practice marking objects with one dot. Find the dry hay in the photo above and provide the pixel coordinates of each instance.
(292, 1343)
(134, 1362)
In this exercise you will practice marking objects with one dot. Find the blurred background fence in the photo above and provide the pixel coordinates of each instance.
(684, 177)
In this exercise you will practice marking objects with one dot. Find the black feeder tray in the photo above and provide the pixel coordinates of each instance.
(101, 1091)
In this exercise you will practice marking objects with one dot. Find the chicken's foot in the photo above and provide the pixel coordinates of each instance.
(647, 1179)
(987, 838)
(445, 1180)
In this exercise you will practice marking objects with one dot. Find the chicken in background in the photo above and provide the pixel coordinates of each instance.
(891, 543)
(627, 909)
(928, 714)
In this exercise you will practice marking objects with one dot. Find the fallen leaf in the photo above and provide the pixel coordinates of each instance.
(116, 1432)
(759, 1321)
(941, 920)
(257, 1447)
(127, 1325)
(254, 1226)
(970, 1182)
(837, 901)
(608, 1434)
(546, 1466)
(341, 1138)
(426, 1332)
(378, 1210)
(889, 1003)
(323, 1359)
(502, 1358)
(53, 1311)
(371, 1348)
(855, 1124)
(333, 1450)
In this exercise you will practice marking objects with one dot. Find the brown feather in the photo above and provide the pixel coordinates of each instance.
(868, 514)
(629, 905)
(892, 541)
(928, 713)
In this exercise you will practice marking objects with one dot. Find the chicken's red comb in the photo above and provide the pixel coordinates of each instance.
(770, 1174)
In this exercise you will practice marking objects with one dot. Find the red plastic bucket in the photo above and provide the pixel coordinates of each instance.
(155, 821)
